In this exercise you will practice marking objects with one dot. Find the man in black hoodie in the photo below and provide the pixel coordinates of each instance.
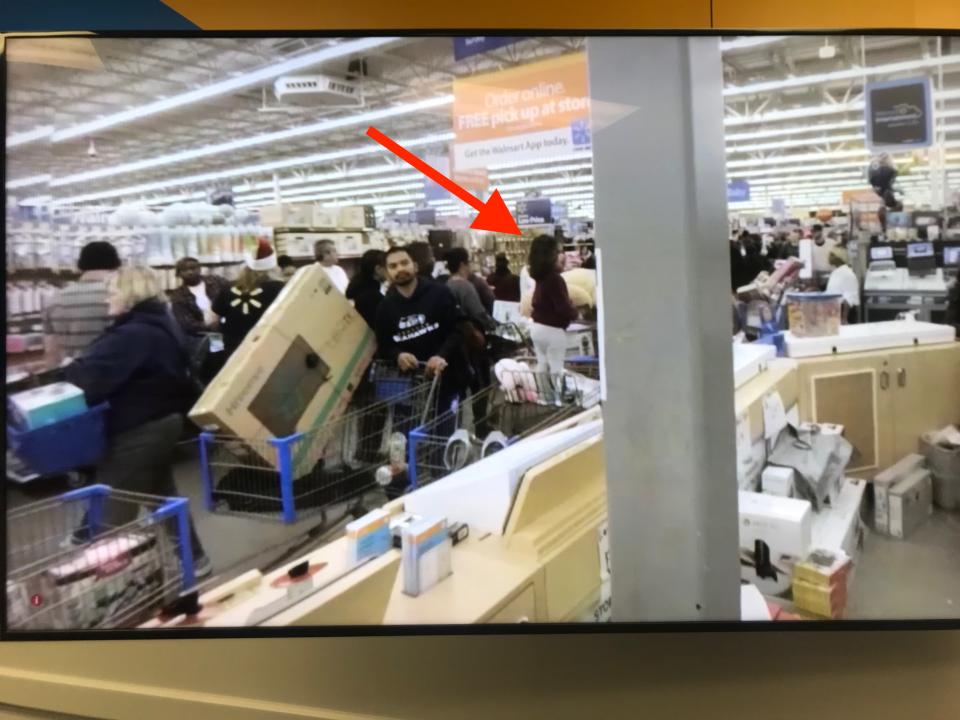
(419, 321)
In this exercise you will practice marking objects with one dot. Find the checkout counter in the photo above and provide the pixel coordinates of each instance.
(920, 285)
(532, 553)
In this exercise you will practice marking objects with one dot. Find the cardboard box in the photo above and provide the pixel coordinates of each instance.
(357, 217)
(325, 218)
(298, 214)
(775, 534)
(823, 568)
(271, 215)
(881, 488)
(295, 371)
(826, 601)
(911, 503)
(943, 459)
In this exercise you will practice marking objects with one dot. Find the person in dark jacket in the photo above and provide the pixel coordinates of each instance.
(552, 309)
(190, 304)
(365, 290)
(419, 321)
(139, 366)
(239, 307)
(953, 306)
(505, 284)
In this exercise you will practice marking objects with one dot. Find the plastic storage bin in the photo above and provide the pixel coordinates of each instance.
(814, 314)
(69, 444)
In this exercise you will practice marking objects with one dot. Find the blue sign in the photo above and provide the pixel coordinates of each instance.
(738, 191)
(898, 114)
(580, 129)
(534, 211)
(464, 47)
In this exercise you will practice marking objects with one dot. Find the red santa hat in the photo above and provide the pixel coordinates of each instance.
(264, 258)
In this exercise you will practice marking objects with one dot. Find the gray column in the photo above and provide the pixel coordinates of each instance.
(660, 188)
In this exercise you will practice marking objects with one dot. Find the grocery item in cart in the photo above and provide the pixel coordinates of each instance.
(814, 314)
(112, 582)
(46, 405)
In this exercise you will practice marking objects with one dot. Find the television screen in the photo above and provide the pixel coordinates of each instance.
(951, 256)
(216, 426)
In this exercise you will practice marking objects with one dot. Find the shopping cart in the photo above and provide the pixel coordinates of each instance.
(523, 403)
(95, 558)
(336, 463)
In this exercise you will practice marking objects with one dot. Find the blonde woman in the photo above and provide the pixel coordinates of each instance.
(238, 308)
(138, 366)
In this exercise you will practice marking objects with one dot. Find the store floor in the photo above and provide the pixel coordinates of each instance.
(910, 579)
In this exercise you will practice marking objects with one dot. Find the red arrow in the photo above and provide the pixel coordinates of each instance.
(492, 215)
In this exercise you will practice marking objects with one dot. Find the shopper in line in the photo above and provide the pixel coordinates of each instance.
(552, 309)
(421, 252)
(191, 304)
(505, 284)
(366, 289)
(325, 252)
(458, 263)
(419, 321)
(77, 314)
(238, 308)
(287, 268)
(953, 305)
(139, 365)
(843, 281)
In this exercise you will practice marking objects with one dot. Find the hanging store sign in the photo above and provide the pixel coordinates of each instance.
(898, 114)
(738, 191)
(464, 47)
(431, 190)
(532, 112)
(535, 211)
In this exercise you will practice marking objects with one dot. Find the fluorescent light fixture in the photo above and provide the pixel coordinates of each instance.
(794, 113)
(557, 182)
(28, 181)
(795, 143)
(854, 73)
(749, 42)
(363, 192)
(541, 171)
(271, 137)
(331, 187)
(29, 136)
(796, 130)
(233, 84)
(366, 149)
(797, 158)
(532, 163)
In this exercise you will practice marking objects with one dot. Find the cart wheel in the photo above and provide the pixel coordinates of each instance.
(75, 479)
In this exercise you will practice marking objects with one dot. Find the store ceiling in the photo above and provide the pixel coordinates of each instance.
(762, 145)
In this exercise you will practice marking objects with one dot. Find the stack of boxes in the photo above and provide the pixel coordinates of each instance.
(820, 583)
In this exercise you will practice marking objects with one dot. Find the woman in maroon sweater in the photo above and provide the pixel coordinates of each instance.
(552, 310)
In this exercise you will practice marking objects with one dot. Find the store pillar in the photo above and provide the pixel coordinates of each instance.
(660, 189)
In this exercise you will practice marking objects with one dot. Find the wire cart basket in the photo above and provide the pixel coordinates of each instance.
(336, 463)
(96, 558)
(524, 403)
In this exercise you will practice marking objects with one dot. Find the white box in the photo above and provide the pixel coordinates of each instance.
(506, 312)
(781, 527)
(356, 217)
(840, 527)
(46, 405)
(777, 481)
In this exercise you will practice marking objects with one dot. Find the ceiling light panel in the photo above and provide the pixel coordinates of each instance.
(246, 80)
(265, 138)
(855, 73)
(203, 178)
